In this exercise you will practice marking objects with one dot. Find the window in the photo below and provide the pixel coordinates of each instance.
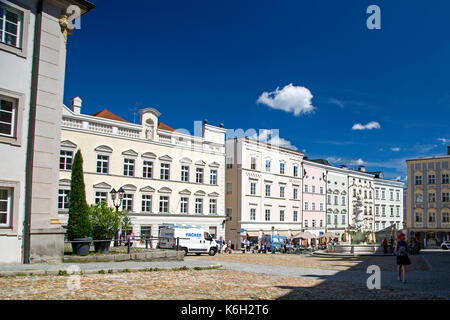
(229, 163)
(418, 180)
(392, 211)
(306, 205)
(431, 179)
(252, 188)
(253, 163)
(329, 199)
(147, 169)
(432, 197)
(313, 223)
(398, 195)
(282, 192)
(383, 224)
(431, 217)
(377, 194)
(165, 171)
(419, 198)
(335, 200)
(65, 159)
(100, 196)
(295, 171)
(418, 217)
(184, 201)
(383, 195)
(267, 215)
(335, 219)
(146, 203)
(199, 175)
(445, 179)
(127, 202)
(306, 188)
(185, 173)
(343, 201)
(102, 164)
(281, 215)
(199, 206)
(212, 206)
(268, 165)
(164, 204)
(383, 211)
(213, 177)
(267, 190)
(370, 194)
(343, 219)
(321, 206)
(313, 205)
(377, 210)
(63, 200)
(328, 219)
(7, 116)
(313, 189)
(377, 226)
(253, 214)
(295, 193)
(445, 217)
(306, 223)
(398, 211)
(295, 215)
(10, 27)
(321, 223)
(281, 168)
(445, 197)
(5, 206)
(128, 167)
(229, 188)
(391, 194)
(321, 190)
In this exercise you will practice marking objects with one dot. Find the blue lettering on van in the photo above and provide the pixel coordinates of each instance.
(196, 235)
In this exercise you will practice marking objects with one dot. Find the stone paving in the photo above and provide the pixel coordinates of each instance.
(190, 285)
(386, 263)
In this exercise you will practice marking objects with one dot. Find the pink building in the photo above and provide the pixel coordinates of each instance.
(314, 196)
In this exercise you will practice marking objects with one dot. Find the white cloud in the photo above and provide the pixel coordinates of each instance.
(337, 102)
(272, 137)
(396, 149)
(371, 125)
(444, 140)
(291, 98)
(358, 162)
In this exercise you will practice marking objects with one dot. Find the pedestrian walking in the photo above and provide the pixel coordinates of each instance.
(401, 251)
(385, 245)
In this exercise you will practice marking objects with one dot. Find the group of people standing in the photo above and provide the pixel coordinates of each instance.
(223, 246)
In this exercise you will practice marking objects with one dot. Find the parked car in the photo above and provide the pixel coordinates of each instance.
(445, 245)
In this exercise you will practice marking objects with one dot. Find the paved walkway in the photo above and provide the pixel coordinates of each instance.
(94, 267)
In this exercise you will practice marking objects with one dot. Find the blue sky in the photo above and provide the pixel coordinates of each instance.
(224, 60)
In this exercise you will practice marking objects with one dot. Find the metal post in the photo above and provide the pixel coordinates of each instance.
(273, 248)
(128, 244)
(178, 243)
(146, 243)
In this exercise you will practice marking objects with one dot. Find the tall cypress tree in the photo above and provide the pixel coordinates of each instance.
(79, 225)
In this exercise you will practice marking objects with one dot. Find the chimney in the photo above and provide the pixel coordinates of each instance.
(76, 105)
(362, 169)
(448, 150)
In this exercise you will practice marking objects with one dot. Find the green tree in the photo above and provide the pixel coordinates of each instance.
(79, 224)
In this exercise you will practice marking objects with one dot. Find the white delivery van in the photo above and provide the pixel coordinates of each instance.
(192, 240)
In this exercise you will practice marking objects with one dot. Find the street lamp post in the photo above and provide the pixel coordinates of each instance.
(117, 197)
(273, 248)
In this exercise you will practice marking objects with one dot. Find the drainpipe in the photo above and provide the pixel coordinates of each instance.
(31, 133)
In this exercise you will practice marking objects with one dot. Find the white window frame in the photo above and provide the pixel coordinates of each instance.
(252, 214)
(164, 203)
(213, 206)
(147, 169)
(66, 165)
(184, 205)
(100, 195)
(63, 192)
(102, 162)
(146, 202)
(198, 206)
(9, 206)
(185, 173)
(164, 171)
(199, 175)
(213, 174)
(253, 188)
(127, 197)
(129, 164)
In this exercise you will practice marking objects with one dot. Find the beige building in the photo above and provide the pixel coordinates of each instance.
(428, 199)
(263, 190)
(169, 177)
(33, 38)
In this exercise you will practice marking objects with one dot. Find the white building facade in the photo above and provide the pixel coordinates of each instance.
(388, 204)
(263, 190)
(33, 38)
(169, 177)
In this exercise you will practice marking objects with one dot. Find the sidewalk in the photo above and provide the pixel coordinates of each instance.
(95, 267)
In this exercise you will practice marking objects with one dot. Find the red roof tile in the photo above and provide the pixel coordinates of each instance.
(108, 115)
(163, 126)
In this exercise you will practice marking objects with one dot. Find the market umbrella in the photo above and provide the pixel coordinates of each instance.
(328, 235)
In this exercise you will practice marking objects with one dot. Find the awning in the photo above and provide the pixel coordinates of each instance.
(283, 233)
(252, 233)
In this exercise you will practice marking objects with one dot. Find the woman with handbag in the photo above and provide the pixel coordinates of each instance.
(401, 251)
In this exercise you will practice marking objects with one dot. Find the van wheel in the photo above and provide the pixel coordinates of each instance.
(212, 252)
(198, 253)
(185, 251)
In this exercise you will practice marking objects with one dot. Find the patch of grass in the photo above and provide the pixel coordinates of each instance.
(183, 268)
(124, 270)
(62, 272)
(207, 268)
(21, 274)
(110, 271)
(101, 272)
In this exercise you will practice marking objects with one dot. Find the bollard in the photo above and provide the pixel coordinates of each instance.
(178, 242)
(128, 245)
